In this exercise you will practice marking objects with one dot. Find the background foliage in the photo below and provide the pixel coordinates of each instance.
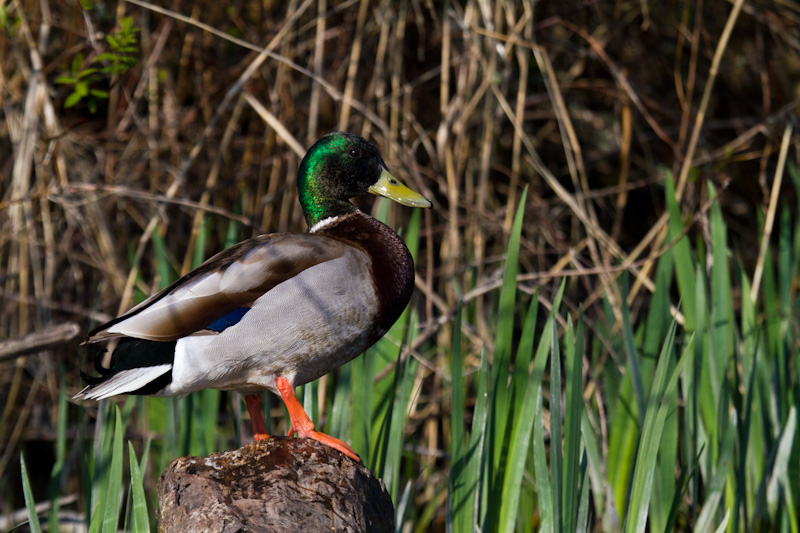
(614, 191)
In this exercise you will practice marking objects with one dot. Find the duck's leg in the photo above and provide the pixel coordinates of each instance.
(253, 402)
(304, 426)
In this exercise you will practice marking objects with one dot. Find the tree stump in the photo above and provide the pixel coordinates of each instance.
(277, 484)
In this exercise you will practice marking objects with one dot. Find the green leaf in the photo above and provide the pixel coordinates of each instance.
(30, 503)
(724, 524)
(101, 455)
(82, 88)
(632, 353)
(476, 452)
(721, 323)
(140, 521)
(341, 409)
(361, 404)
(659, 403)
(501, 362)
(519, 442)
(57, 472)
(780, 484)
(111, 513)
(105, 56)
(594, 463)
(582, 521)
(572, 424)
(684, 265)
(87, 73)
(456, 485)
(556, 454)
(72, 99)
(399, 420)
(77, 63)
(543, 489)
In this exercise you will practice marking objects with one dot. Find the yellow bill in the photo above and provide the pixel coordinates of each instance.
(389, 186)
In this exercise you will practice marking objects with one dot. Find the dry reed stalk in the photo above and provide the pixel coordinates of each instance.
(395, 107)
(319, 55)
(211, 182)
(626, 134)
(771, 210)
(580, 180)
(524, 24)
(685, 96)
(352, 67)
(706, 97)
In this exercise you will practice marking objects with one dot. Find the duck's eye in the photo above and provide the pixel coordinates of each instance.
(354, 153)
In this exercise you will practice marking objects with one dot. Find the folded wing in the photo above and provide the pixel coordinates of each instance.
(230, 280)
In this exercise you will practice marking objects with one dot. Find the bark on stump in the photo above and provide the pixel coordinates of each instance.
(277, 484)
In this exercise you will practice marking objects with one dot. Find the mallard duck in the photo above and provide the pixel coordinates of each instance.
(275, 311)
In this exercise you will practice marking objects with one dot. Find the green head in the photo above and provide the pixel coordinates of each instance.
(340, 166)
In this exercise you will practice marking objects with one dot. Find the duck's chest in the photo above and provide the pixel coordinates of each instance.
(390, 266)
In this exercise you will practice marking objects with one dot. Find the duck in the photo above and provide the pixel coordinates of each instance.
(275, 311)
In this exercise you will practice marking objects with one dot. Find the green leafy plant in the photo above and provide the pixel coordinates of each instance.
(117, 61)
(9, 24)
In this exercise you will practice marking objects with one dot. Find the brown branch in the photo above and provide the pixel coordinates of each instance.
(51, 337)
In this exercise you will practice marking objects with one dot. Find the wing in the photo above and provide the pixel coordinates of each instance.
(230, 280)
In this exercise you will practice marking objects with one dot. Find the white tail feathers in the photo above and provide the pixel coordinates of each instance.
(123, 382)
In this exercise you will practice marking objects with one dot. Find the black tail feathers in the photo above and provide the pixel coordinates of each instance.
(133, 353)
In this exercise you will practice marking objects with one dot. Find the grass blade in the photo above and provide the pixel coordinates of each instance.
(582, 522)
(341, 409)
(519, 442)
(572, 424)
(112, 502)
(658, 409)
(477, 457)
(502, 396)
(57, 473)
(30, 504)
(556, 460)
(456, 487)
(780, 484)
(100, 479)
(594, 463)
(140, 520)
(724, 524)
(684, 264)
(361, 402)
(541, 475)
(632, 354)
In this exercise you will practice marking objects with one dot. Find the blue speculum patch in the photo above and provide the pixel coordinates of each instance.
(228, 320)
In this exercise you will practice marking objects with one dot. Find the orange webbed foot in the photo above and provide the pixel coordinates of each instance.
(304, 427)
